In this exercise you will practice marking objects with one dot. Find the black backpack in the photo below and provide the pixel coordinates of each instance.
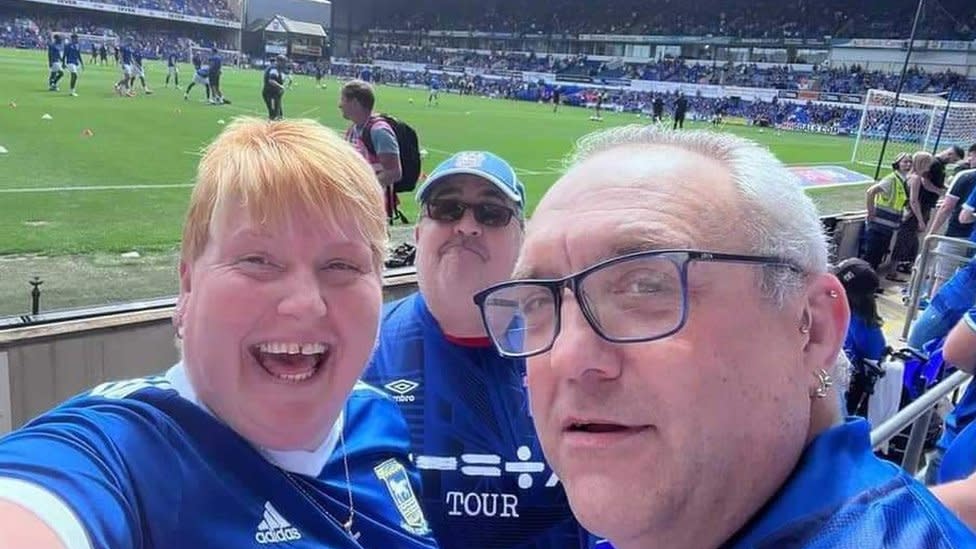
(409, 150)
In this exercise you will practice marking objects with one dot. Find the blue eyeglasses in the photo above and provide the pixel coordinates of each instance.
(632, 298)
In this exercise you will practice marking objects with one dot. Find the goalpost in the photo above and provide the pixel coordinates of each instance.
(230, 57)
(921, 123)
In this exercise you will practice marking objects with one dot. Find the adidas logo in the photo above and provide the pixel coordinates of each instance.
(274, 528)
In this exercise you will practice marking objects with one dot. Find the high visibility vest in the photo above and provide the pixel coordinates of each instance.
(889, 207)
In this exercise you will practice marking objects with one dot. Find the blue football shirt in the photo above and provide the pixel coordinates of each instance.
(139, 464)
(486, 484)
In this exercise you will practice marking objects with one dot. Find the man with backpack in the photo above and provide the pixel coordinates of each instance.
(389, 145)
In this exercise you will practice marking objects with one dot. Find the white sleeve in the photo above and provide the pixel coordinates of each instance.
(51, 509)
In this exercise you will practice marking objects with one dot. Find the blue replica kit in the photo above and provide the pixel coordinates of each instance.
(72, 54)
(485, 482)
(961, 461)
(840, 496)
(140, 466)
(54, 54)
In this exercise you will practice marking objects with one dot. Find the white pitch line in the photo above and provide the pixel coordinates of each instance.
(522, 171)
(240, 109)
(96, 188)
(839, 164)
(519, 171)
(307, 112)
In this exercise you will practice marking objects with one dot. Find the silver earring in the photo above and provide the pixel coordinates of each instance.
(825, 383)
(833, 294)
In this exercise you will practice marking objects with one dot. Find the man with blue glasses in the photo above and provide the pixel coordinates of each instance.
(682, 332)
(485, 482)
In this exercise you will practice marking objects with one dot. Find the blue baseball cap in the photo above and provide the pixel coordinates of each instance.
(483, 164)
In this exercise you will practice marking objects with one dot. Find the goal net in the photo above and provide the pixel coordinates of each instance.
(229, 57)
(920, 123)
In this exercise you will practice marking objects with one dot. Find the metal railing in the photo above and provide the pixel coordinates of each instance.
(918, 414)
(921, 272)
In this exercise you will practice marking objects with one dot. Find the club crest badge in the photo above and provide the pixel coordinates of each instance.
(398, 484)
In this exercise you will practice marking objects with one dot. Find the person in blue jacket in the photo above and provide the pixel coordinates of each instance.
(682, 334)
(864, 339)
(262, 435)
(486, 484)
(955, 457)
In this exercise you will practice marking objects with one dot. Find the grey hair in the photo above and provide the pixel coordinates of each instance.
(779, 219)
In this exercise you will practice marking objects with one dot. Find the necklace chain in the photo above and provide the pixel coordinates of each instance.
(297, 483)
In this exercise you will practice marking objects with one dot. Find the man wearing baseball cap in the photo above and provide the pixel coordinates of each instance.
(485, 481)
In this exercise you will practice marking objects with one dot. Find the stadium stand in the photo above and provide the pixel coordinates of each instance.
(853, 80)
(793, 19)
(156, 39)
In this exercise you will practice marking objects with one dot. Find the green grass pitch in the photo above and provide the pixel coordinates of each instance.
(125, 187)
(140, 159)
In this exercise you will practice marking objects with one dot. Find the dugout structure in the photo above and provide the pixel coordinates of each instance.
(919, 123)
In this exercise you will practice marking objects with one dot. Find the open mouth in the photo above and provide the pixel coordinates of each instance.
(291, 362)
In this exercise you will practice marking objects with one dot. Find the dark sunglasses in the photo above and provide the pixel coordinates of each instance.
(449, 210)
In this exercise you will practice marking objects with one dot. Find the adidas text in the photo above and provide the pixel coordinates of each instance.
(278, 535)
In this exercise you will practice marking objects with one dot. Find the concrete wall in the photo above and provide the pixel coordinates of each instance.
(43, 365)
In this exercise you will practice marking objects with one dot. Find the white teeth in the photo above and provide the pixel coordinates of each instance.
(282, 348)
(312, 348)
(295, 378)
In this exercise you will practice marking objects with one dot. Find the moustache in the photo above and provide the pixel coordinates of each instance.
(468, 244)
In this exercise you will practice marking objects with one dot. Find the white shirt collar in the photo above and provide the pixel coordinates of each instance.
(303, 462)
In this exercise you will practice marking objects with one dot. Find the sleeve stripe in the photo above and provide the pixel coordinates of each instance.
(970, 321)
(51, 509)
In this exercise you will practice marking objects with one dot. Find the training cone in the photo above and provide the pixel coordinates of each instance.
(3, 150)
(13, 104)
(87, 132)
(47, 116)
(221, 122)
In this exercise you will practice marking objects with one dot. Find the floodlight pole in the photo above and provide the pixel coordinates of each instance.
(901, 83)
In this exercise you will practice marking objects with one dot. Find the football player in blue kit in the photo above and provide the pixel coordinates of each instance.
(55, 55)
(73, 61)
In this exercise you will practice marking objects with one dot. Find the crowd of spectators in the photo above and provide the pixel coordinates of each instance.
(155, 41)
(204, 8)
(854, 80)
(947, 19)
(812, 116)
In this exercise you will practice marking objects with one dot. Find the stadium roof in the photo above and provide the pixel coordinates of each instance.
(280, 23)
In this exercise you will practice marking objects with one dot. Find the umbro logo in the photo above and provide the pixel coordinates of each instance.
(402, 389)
(274, 528)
